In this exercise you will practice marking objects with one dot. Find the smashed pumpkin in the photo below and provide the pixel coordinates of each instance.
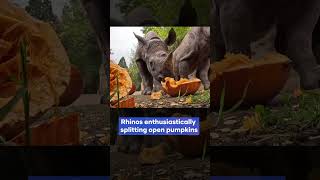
(264, 78)
(183, 87)
(125, 82)
(127, 102)
(57, 131)
(48, 67)
(156, 95)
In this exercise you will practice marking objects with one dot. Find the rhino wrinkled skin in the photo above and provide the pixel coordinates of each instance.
(192, 55)
(237, 23)
(150, 56)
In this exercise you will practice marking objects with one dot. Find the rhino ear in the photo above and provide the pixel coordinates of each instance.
(171, 37)
(168, 64)
(140, 39)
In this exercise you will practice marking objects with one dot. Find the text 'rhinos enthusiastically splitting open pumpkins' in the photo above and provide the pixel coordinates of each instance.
(262, 78)
(48, 66)
(183, 87)
(120, 81)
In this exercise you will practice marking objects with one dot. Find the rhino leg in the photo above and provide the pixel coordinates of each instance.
(235, 19)
(218, 48)
(202, 73)
(157, 85)
(298, 46)
(147, 79)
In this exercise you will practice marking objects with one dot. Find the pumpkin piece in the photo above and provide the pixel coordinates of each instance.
(156, 95)
(54, 132)
(74, 89)
(125, 82)
(182, 87)
(265, 77)
(48, 67)
(127, 102)
(133, 89)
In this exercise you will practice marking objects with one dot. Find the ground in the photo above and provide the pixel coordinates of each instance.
(198, 100)
(127, 166)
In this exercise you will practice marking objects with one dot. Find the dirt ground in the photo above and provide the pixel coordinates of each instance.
(231, 132)
(144, 101)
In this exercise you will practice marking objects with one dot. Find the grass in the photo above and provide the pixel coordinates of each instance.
(21, 93)
(302, 112)
(202, 97)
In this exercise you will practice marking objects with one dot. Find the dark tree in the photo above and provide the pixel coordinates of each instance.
(42, 10)
(80, 42)
(122, 63)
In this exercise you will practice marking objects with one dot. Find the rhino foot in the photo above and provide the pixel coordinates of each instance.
(206, 86)
(310, 80)
(146, 91)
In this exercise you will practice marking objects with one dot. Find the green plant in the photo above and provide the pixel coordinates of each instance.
(21, 93)
(234, 107)
(26, 95)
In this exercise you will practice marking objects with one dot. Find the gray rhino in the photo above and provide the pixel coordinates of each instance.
(150, 56)
(191, 55)
(237, 23)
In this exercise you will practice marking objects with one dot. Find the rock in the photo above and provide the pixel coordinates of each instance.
(214, 135)
(230, 122)
(225, 130)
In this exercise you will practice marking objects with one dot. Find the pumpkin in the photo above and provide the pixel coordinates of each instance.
(127, 102)
(125, 82)
(156, 95)
(74, 88)
(48, 67)
(182, 87)
(264, 78)
(133, 89)
(56, 131)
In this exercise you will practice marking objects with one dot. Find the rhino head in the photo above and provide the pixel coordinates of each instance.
(153, 51)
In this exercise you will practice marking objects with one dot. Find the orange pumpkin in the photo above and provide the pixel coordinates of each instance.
(133, 89)
(264, 78)
(54, 132)
(48, 66)
(182, 87)
(127, 102)
(124, 80)
(156, 95)
(74, 88)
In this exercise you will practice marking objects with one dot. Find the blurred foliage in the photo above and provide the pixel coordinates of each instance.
(134, 71)
(81, 45)
(163, 33)
(167, 11)
(42, 9)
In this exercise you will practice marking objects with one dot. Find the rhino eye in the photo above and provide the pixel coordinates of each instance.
(152, 66)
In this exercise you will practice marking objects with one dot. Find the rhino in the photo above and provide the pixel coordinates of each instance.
(150, 56)
(192, 55)
(237, 23)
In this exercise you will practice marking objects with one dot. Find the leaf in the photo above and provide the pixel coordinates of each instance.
(8, 107)
(189, 100)
(252, 123)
